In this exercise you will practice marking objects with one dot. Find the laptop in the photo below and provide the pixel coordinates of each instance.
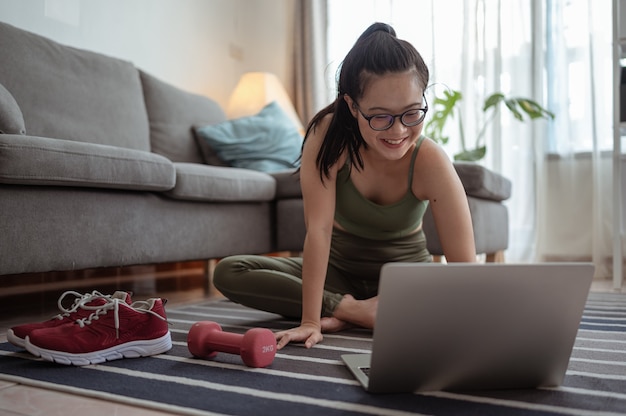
(473, 326)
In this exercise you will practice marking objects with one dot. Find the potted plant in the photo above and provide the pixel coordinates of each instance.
(445, 108)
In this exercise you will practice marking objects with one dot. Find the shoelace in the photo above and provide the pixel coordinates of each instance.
(79, 302)
(113, 304)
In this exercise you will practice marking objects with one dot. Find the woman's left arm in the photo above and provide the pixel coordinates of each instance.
(437, 181)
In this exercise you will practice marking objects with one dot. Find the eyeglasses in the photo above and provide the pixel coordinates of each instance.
(409, 118)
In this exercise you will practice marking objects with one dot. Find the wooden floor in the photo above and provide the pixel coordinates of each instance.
(33, 298)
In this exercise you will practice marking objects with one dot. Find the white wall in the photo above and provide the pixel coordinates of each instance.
(201, 46)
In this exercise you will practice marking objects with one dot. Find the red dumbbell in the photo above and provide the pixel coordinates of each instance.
(257, 347)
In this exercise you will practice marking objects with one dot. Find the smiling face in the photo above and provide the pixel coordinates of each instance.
(391, 93)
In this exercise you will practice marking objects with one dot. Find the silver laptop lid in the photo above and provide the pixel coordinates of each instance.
(476, 326)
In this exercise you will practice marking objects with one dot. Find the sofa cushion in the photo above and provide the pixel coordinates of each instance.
(198, 182)
(172, 113)
(72, 94)
(481, 182)
(43, 161)
(268, 141)
(11, 118)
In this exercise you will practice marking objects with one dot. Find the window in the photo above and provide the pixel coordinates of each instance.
(579, 75)
(487, 46)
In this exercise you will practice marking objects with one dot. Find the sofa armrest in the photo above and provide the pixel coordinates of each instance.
(490, 222)
(485, 190)
(477, 180)
(287, 184)
(483, 183)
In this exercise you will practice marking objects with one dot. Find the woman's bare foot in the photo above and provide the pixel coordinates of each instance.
(358, 312)
(332, 324)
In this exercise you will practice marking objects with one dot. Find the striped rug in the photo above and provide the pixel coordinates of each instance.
(315, 382)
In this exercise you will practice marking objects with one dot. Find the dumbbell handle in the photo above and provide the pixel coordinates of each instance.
(227, 342)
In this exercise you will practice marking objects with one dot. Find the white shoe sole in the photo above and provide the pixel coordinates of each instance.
(15, 340)
(133, 349)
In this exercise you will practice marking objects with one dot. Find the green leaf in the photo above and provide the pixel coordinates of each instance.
(533, 109)
(511, 104)
(443, 109)
(472, 155)
(493, 100)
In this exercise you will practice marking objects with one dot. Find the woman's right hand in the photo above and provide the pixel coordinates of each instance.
(310, 334)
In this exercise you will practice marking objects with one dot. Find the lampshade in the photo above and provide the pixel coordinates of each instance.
(254, 91)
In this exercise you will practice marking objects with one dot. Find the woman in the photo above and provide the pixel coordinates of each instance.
(367, 175)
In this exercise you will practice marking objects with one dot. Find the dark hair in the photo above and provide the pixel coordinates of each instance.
(377, 51)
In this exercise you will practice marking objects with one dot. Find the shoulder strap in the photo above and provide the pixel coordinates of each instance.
(413, 156)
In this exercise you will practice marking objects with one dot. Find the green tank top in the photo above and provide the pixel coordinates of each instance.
(364, 218)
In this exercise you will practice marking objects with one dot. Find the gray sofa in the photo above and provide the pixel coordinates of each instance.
(100, 167)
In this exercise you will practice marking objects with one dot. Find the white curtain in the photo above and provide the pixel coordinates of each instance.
(310, 46)
(575, 165)
(558, 211)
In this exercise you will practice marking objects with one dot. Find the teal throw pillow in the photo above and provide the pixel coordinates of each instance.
(268, 141)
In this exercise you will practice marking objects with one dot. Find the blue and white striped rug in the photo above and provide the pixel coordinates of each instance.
(314, 382)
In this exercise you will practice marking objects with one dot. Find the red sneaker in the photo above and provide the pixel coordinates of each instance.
(113, 331)
(17, 334)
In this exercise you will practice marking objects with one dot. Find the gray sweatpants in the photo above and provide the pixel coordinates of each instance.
(274, 284)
